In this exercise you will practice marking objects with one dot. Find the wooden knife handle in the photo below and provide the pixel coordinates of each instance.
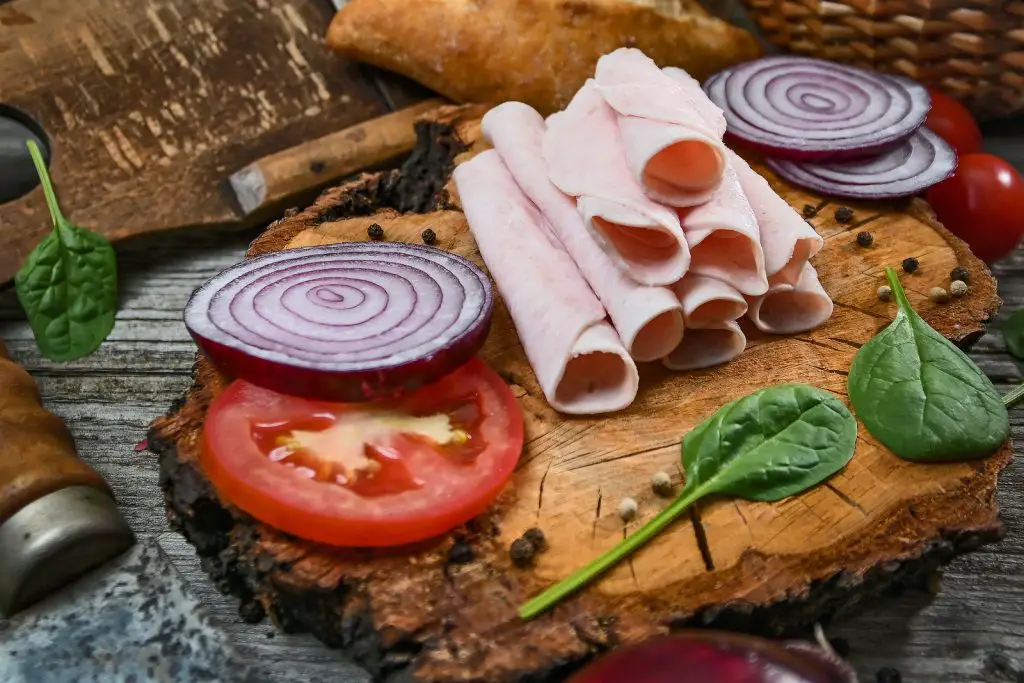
(268, 182)
(37, 453)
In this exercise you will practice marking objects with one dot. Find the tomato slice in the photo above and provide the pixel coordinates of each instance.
(380, 474)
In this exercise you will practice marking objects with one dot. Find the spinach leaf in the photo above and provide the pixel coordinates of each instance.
(921, 396)
(773, 443)
(1013, 334)
(68, 284)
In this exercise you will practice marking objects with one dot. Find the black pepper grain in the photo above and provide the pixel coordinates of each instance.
(910, 265)
(888, 674)
(810, 211)
(429, 237)
(844, 214)
(537, 539)
(865, 238)
(960, 273)
(375, 232)
(521, 551)
(461, 553)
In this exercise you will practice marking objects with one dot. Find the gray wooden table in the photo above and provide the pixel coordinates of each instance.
(972, 631)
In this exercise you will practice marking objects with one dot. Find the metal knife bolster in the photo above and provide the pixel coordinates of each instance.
(58, 518)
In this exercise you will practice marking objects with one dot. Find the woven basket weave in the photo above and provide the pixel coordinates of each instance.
(971, 49)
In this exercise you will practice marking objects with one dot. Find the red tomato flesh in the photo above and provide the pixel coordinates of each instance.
(952, 122)
(982, 204)
(359, 475)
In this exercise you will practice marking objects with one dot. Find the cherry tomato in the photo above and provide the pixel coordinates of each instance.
(952, 122)
(365, 474)
(983, 204)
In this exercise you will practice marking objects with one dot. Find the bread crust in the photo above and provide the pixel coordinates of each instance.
(535, 51)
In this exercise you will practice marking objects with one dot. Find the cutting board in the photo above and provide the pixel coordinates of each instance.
(149, 105)
(425, 614)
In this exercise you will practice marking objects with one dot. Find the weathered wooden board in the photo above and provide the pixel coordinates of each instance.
(150, 104)
(764, 567)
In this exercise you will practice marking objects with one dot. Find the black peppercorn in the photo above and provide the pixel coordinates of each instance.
(810, 211)
(960, 273)
(429, 237)
(521, 551)
(375, 232)
(461, 553)
(537, 539)
(844, 214)
(910, 265)
(865, 238)
(888, 675)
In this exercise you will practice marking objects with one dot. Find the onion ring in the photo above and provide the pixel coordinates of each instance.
(347, 322)
(915, 165)
(801, 108)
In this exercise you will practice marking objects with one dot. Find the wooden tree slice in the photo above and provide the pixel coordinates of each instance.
(426, 614)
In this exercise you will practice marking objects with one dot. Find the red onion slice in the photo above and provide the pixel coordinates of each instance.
(915, 165)
(802, 108)
(345, 322)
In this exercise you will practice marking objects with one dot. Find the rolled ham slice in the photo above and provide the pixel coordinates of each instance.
(580, 363)
(789, 309)
(708, 302)
(649, 320)
(787, 239)
(711, 308)
(585, 159)
(707, 347)
(674, 154)
(724, 239)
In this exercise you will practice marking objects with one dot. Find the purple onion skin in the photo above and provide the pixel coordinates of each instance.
(344, 387)
(811, 155)
(717, 657)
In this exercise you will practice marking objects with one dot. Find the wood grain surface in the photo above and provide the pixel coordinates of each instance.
(149, 105)
(878, 513)
(971, 632)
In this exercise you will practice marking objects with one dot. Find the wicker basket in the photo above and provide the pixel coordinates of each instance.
(972, 49)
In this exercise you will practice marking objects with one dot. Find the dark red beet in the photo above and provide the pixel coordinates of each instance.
(717, 657)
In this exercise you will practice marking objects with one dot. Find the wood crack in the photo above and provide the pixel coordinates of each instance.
(629, 560)
(597, 516)
(846, 499)
(641, 451)
(540, 488)
(702, 539)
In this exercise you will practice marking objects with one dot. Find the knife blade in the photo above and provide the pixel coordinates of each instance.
(86, 600)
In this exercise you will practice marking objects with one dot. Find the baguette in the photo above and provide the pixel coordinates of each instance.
(535, 51)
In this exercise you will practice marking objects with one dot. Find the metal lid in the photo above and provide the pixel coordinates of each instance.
(55, 539)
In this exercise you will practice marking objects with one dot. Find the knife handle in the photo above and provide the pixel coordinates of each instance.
(37, 453)
(272, 180)
(57, 515)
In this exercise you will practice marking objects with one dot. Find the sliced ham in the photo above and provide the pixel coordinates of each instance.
(787, 239)
(710, 113)
(585, 159)
(580, 363)
(711, 308)
(724, 239)
(674, 153)
(707, 347)
(789, 309)
(648, 319)
(707, 301)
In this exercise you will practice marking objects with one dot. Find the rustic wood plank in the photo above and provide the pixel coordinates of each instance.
(151, 104)
(969, 633)
(972, 624)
